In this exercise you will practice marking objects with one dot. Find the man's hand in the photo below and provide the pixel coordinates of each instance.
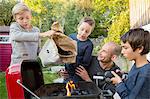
(63, 73)
(80, 71)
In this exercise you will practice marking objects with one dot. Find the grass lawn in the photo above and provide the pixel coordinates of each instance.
(48, 78)
(3, 93)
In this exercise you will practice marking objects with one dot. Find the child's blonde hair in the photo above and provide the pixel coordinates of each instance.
(19, 8)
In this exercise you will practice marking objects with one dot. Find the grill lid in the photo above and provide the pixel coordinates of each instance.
(32, 76)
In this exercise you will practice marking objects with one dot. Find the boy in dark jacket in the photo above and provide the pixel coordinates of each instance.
(135, 45)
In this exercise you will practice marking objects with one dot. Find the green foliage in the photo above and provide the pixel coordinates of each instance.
(119, 20)
(41, 13)
(106, 12)
(69, 13)
(114, 15)
(77, 10)
(49, 77)
(118, 27)
(72, 18)
(5, 13)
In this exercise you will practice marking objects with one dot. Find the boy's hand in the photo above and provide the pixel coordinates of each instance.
(47, 34)
(82, 73)
(63, 73)
(116, 79)
(50, 32)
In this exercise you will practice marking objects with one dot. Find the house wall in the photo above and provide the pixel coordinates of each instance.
(139, 13)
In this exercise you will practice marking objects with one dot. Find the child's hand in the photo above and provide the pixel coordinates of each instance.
(47, 34)
(63, 73)
(116, 79)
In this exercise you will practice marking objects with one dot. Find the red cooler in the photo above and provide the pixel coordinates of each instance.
(12, 75)
(5, 48)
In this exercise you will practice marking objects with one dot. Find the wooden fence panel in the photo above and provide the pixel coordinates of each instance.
(139, 13)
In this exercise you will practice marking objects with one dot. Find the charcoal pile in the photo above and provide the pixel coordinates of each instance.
(58, 90)
(82, 90)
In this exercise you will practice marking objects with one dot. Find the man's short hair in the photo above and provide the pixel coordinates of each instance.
(116, 49)
(137, 38)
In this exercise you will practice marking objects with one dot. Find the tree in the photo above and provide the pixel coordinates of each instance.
(114, 16)
(45, 12)
(69, 13)
(106, 12)
(118, 27)
(5, 13)
(40, 11)
(74, 12)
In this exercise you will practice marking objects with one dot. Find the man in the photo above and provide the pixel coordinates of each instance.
(100, 64)
(104, 62)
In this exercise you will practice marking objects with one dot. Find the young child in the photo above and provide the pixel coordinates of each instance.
(25, 38)
(135, 45)
(84, 47)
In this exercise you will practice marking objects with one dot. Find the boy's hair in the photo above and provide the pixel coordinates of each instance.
(19, 8)
(137, 38)
(88, 20)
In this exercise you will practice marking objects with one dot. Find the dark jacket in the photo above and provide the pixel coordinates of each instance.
(137, 86)
(95, 69)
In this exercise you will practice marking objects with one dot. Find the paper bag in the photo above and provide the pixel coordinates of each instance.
(49, 53)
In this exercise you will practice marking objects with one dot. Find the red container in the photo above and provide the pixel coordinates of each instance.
(14, 90)
(5, 48)
(29, 73)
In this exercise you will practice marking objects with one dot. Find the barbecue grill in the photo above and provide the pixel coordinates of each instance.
(25, 81)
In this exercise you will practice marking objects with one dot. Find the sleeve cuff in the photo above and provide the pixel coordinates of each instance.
(120, 87)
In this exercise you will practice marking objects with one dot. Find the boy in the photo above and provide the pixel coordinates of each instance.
(84, 47)
(25, 38)
(135, 45)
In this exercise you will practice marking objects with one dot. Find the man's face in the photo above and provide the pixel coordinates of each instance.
(24, 19)
(84, 30)
(128, 52)
(105, 54)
